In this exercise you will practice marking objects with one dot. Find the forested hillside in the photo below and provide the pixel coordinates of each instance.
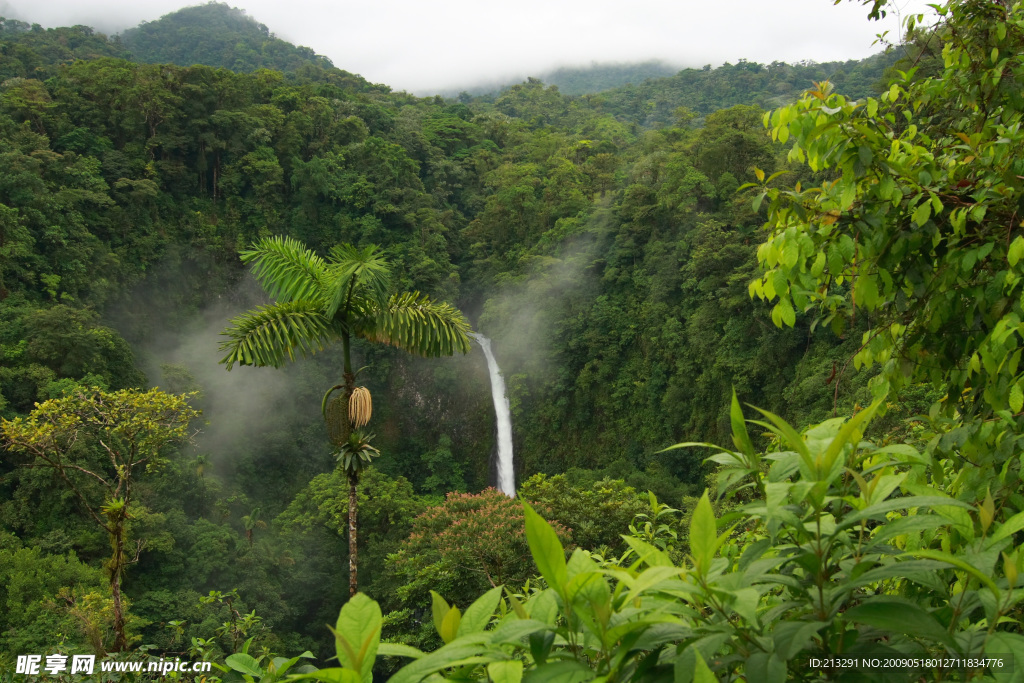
(648, 262)
(215, 34)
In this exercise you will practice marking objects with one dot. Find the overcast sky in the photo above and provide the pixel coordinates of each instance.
(426, 45)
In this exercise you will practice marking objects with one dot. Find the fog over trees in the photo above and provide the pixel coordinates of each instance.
(759, 326)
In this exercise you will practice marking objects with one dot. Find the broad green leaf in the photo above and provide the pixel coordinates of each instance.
(544, 606)
(547, 550)
(478, 615)
(922, 213)
(701, 672)
(762, 666)
(245, 664)
(439, 610)
(1016, 251)
(450, 625)
(1016, 398)
(899, 616)
(786, 312)
(1009, 647)
(357, 634)
(505, 672)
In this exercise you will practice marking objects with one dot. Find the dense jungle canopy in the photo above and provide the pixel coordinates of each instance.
(651, 258)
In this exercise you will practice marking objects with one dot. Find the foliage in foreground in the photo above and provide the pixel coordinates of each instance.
(849, 548)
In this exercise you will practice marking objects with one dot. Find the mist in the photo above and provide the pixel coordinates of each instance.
(520, 319)
(455, 44)
(253, 418)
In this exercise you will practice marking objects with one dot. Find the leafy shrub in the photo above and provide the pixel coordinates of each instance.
(850, 548)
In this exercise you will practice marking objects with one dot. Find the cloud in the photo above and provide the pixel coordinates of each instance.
(427, 46)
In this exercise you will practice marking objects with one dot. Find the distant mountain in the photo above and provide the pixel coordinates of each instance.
(580, 80)
(216, 34)
(601, 77)
(654, 102)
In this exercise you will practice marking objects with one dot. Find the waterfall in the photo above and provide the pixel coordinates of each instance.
(506, 476)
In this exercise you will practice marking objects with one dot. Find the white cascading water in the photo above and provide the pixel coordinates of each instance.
(506, 475)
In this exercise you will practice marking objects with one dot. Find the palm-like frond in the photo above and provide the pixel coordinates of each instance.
(270, 335)
(414, 323)
(286, 269)
(353, 270)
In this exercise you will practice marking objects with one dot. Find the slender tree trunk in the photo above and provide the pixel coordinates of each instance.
(116, 569)
(353, 481)
(353, 477)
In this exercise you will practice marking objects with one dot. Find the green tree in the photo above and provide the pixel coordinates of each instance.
(916, 230)
(320, 301)
(98, 443)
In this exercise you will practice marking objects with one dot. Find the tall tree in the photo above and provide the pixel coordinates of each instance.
(321, 301)
(98, 443)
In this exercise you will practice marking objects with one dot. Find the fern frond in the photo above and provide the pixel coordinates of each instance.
(353, 271)
(270, 335)
(286, 270)
(414, 323)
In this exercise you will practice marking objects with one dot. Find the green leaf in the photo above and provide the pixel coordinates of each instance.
(505, 672)
(958, 563)
(740, 437)
(786, 431)
(512, 632)
(450, 625)
(762, 666)
(652, 555)
(443, 658)
(286, 269)
(899, 616)
(879, 510)
(271, 335)
(245, 664)
(357, 634)
(703, 534)
(398, 650)
(1008, 528)
(1016, 251)
(819, 264)
(786, 312)
(1009, 647)
(334, 675)
(439, 609)
(922, 213)
(478, 615)
(1016, 398)
(559, 671)
(792, 637)
(701, 672)
(547, 550)
(849, 434)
